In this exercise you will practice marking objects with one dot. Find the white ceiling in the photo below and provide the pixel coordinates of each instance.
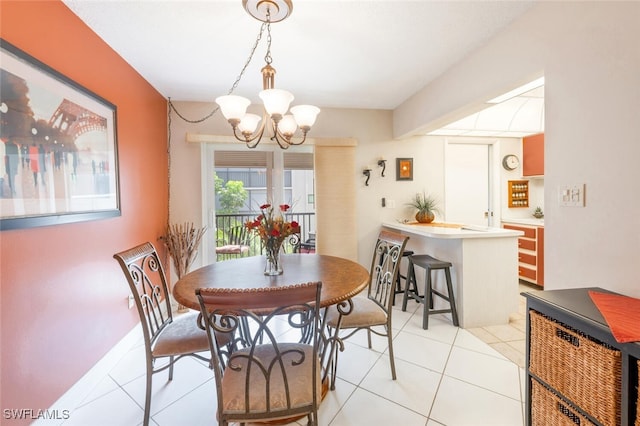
(330, 53)
(519, 116)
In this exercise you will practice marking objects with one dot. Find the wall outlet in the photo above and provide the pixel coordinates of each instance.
(131, 301)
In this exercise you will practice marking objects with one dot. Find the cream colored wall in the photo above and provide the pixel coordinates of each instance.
(589, 53)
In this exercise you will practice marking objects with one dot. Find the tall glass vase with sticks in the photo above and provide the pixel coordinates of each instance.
(182, 241)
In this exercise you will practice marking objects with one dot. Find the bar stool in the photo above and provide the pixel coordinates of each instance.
(430, 264)
(399, 277)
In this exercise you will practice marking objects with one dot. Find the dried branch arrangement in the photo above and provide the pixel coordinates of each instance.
(182, 241)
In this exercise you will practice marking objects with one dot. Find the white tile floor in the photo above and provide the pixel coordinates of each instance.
(446, 376)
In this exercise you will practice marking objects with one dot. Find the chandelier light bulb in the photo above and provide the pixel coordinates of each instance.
(249, 123)
(276, 101)
(233, 107)
(305, 115)
(288, 125)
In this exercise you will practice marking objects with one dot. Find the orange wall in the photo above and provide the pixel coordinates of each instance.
(62, 295)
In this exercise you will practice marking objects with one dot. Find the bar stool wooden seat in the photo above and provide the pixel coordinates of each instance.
(399, 289)
(430, 264)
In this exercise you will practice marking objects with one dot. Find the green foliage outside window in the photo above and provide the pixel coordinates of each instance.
(232, 195)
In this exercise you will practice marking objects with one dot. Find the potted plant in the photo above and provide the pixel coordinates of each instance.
(538, 213)
(427, 207)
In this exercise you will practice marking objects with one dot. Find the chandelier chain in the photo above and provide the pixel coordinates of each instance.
(253, 51)
(238, 78)
(234, 107)
(267, 57)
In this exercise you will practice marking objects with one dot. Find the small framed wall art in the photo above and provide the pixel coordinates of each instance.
(404, 168)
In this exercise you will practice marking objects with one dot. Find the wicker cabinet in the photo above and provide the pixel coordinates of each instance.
(577, 373)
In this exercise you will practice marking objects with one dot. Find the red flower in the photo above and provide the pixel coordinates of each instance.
(271, 227)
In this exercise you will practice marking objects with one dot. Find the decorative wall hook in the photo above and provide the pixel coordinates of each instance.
(367, 173)
(382, 163)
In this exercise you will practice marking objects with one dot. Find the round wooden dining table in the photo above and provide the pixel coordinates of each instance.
(341, 278)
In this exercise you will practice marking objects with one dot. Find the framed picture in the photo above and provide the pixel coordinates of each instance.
(404, 168)
(58, 151)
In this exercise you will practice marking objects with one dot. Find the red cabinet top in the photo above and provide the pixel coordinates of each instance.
(533, 155)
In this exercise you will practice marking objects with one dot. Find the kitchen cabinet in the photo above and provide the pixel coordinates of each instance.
(530, 252)
(533, 155)
(576, 372)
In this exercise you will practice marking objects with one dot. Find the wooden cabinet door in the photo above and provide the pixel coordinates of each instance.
(533, 155)
(529, 232)
(540, 256)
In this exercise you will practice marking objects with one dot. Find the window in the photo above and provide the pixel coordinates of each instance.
(267, 176)
(292, 183)
(332, 190)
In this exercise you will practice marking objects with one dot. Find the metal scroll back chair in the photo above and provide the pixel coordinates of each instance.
(258, 376)
(372, 311)
(237, 244)
(309, 246)
(164, 336)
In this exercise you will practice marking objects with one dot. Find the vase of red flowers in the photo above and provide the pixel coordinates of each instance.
(273, 229)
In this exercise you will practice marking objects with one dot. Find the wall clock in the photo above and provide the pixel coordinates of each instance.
(510, 162)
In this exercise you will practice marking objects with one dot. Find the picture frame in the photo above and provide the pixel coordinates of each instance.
(58, 147)
(404, 168)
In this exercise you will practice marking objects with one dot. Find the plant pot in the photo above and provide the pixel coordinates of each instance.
(425, 217)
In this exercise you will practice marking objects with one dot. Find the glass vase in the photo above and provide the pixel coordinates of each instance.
(273, 264)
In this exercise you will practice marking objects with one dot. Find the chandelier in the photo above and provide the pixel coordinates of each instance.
(282, 126)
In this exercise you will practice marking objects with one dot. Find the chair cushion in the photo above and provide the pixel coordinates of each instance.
(182, 336)
(365, 313)
(232, 249)
(299, 378)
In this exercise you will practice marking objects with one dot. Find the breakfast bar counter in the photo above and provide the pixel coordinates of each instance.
(485, 267)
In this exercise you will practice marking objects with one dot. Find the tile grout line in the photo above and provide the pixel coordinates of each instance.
(444, 368)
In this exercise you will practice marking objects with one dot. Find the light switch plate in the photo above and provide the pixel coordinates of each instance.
(571, 195)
